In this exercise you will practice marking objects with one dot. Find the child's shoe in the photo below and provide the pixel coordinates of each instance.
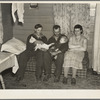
(46, 78)
(56, 79)
(73, 81)
(65, 80)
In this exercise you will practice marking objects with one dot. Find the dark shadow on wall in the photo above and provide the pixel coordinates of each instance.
(7, 21)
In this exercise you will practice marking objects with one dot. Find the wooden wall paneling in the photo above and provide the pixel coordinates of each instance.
(42, 15)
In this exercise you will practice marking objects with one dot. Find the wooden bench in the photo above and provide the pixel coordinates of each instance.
(80, 73)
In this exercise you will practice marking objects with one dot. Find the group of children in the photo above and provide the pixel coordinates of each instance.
(54, 49)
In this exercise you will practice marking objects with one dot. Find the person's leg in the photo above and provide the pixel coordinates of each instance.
(22, 61)
(66, 70)
(58, 69)
(73, 80)
(47, 65)
(39, 65)
(74, 71)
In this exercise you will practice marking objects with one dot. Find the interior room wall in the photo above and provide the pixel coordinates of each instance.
(43, 14)
(6, 21)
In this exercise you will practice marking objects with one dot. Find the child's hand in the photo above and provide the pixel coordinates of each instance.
(57, 49)
(53, 53)
(55, 57)
(51, 44)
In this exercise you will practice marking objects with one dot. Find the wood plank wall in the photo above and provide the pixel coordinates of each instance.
(43, 15)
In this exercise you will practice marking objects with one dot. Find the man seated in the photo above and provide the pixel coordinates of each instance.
(31, 51)
(58, 53)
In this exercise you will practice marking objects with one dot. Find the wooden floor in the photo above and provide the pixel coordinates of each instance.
(29, 82)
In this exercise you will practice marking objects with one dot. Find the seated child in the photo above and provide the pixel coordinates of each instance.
(40, 45)
(62, 42)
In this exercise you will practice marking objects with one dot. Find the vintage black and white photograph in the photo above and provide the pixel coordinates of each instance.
(49, 45)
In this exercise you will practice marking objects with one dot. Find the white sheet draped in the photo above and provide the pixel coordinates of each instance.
(96, 51)
(19, 7)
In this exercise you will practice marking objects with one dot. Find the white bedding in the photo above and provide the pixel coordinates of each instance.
(14, 46)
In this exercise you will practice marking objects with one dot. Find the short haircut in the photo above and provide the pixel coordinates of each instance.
(79, 26)
(56, 27)
(38, 26)
(63, 36)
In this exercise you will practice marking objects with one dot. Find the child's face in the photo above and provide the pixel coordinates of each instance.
(63, 40)
(77, 31)
(38, 30)
(57, 32)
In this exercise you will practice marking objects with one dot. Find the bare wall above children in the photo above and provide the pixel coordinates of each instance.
(43, 14)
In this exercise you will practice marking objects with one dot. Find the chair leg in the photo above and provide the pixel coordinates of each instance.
(2, 82)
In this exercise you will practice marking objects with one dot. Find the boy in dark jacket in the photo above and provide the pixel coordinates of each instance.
(30, 51)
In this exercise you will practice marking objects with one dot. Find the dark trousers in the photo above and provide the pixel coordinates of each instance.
(24, 58)
(58, 63)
